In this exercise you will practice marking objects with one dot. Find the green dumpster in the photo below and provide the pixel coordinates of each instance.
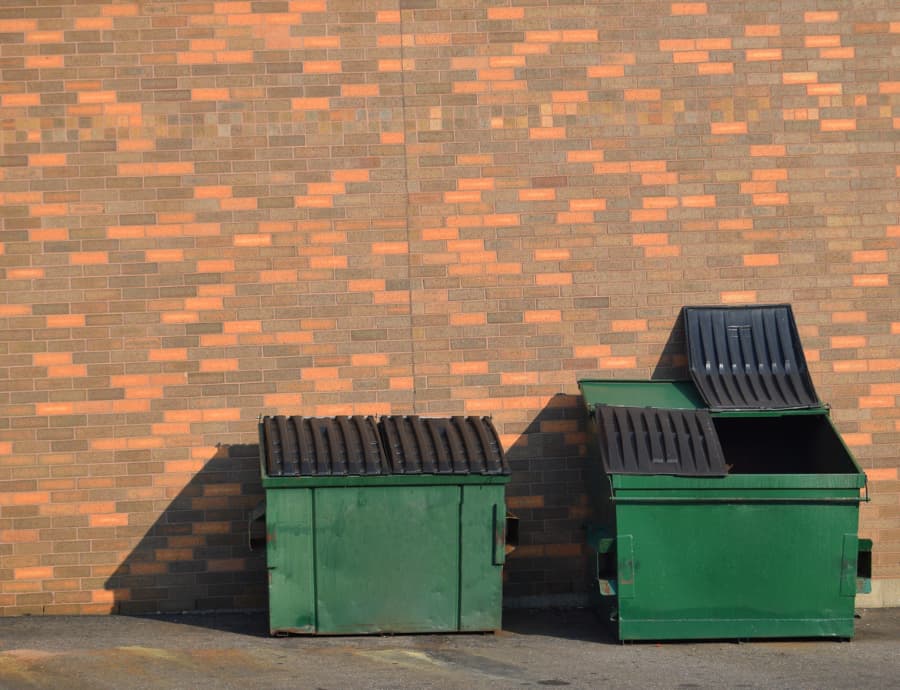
(389, 526)
(727, 505)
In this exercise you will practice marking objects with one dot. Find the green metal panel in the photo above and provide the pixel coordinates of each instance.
(387, 559)
(289, 537)
(672, 395)
(483, 550)
(735, 569)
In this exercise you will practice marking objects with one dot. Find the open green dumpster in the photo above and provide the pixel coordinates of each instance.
(728, 505)
(396, 525)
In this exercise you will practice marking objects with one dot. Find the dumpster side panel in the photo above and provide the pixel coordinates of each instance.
(483, 550)
(387, 559)
(289, 549)
(738, 569)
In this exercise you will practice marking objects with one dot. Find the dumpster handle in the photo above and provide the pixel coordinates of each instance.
(255, 515)
(689, 499)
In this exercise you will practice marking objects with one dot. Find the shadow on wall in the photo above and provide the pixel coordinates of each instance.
(548, 493)
(196, 556)
(673, 361)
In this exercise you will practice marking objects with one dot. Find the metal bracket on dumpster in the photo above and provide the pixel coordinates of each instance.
(864, 567)
(258, 513)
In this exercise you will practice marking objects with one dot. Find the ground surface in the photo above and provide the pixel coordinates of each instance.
(536, 649)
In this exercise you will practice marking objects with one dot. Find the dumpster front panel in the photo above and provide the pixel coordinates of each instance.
(706, 564)
(483, 552)
(387, 559)
(289, 545)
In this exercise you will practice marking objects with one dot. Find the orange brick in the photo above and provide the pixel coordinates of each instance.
(628, 325)
(848, 341)
(543, 316)
(799, 78)
(738, 296)
(887, 87)
(843, 125)
(578, 205)
(617, 362)
(592, 351)
(468, 319)
(553, 279)
(688, 8)
(215, 266)
(873, 401)
(762, 54)
(14, 99)
(820, 17)
(699, 201)
(887, 474)
(164, 255)
(219, 365)
(871, 280)
(728, 127)
(649, 215)
(849, 317)
(209, 94)
(846, 53)
(775, 199)
(65, 321)
(649, 239)
(870, 256)
(824, 89)
(88, 258)
(33, 573)
(369, 360)
(552, 254)
(365, 285)
(14, 309)
(542, 133)
(242, 327)
(643, 94)
(606, 71)
(659, 202)
(43, 160)
(110, 520)
(310, 103)
(761, 260)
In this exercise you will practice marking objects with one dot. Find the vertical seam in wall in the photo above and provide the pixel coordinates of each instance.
(409, 237)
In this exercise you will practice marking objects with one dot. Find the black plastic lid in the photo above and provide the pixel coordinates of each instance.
(458, 445)
(362, 446)
(322, 447)
(652, 440)
(748, 358)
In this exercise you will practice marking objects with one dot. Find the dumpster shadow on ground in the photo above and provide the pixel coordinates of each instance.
(549, 576)
(584, 625)
(196, 556)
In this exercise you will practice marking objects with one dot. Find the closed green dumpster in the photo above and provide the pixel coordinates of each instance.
(727, 505)
(395, 525)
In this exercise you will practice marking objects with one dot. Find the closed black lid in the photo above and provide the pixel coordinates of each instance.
(748, 358)
(458, 445)
(652, 440)
(362, 446)
(322, 447)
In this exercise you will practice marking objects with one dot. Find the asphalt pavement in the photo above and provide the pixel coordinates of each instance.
(537, 649)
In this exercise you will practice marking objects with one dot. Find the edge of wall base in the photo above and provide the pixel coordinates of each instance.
(885, 593)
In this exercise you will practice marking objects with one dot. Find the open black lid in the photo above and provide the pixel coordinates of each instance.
(653, 440)
(748, 358)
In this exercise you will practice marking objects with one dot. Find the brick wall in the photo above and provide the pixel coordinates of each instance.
(213, 210)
